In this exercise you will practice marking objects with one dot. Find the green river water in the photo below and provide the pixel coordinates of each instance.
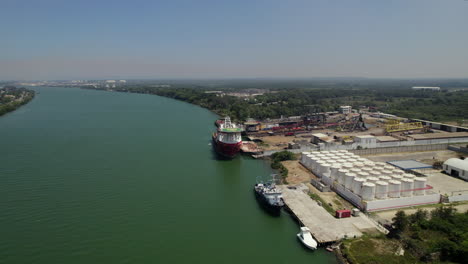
(100, 177)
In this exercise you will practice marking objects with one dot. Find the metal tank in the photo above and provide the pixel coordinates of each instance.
(341, 175)
(368, 191)
(397, 177)
(407, 186)
(325, 169)
(409, 176)
(372, 179)
(363, 174)
(357, 185)
(381, 190)
(349, 178)
(394, 188)
(385, 178)
(358, 164)
(334, 171)
(419, 186)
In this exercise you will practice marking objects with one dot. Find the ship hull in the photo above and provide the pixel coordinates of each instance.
(274, 209)
(226, 150)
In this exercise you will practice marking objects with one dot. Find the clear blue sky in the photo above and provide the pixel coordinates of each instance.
(84, 39)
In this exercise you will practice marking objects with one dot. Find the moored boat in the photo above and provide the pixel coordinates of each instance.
(306, 238)
(269, 196)
(227, 141)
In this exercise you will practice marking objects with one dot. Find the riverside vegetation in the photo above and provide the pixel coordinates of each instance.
(298, 98)
(440, 236)
(276, 164)
(12, 98)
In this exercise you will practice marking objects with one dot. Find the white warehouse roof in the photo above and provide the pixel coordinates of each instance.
(457, 163)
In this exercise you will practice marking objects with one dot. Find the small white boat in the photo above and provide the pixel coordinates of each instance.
(306, 238)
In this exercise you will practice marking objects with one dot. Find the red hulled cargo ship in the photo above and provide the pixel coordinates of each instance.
(227, 141)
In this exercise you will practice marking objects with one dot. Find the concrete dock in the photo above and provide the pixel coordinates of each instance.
(324, 227)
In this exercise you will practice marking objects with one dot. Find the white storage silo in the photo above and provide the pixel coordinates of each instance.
(409, 176)
(341, 175)
(311, 163)
(349, 178)
(341, 160)
(385, 178)
(363, 174)
(319, 165)
(355, 170)
(372, 179)
(325, 169)
(387, 172)
(379, 168)
(407, 186)
(357, 185)
(394, 188)
(381, 190)
(374, 173)
(358, 164)
(367, 169)
(351, 160)
(369, 163)
(398, 172)
(397, 177)
(389, 167)
(334, 171)
(419, 186)
(362, 160)
(348, 166)
(368, 191)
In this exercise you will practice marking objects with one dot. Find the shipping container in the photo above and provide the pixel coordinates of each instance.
(343, 213)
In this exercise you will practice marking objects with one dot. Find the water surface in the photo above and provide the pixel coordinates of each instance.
(99, 177)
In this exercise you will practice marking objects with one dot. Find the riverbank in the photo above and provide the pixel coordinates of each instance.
(11, 98)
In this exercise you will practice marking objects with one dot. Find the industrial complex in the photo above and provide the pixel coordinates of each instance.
(370, 186)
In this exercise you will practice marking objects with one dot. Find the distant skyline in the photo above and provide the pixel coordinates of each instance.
(53, 39)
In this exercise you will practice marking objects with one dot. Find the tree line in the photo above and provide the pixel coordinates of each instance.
(446, 105)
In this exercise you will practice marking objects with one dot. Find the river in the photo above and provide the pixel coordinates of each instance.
(99, 177)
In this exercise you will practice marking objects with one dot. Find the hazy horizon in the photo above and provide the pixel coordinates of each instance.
(401, 39)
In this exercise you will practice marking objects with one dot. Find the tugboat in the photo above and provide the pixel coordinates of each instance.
(227, 141)
(269, 196)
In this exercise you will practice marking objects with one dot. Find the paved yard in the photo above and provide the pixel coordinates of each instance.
(324, 227)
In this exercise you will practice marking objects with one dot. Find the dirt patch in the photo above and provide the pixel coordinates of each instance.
(297, 172)
(275, 142)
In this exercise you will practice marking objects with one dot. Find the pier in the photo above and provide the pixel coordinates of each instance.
(324, 227)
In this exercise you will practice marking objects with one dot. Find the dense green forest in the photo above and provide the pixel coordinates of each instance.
(298, 99)
(11, 98)
(440, 236)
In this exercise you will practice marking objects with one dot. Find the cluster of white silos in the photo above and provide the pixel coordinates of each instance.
(365, 178)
